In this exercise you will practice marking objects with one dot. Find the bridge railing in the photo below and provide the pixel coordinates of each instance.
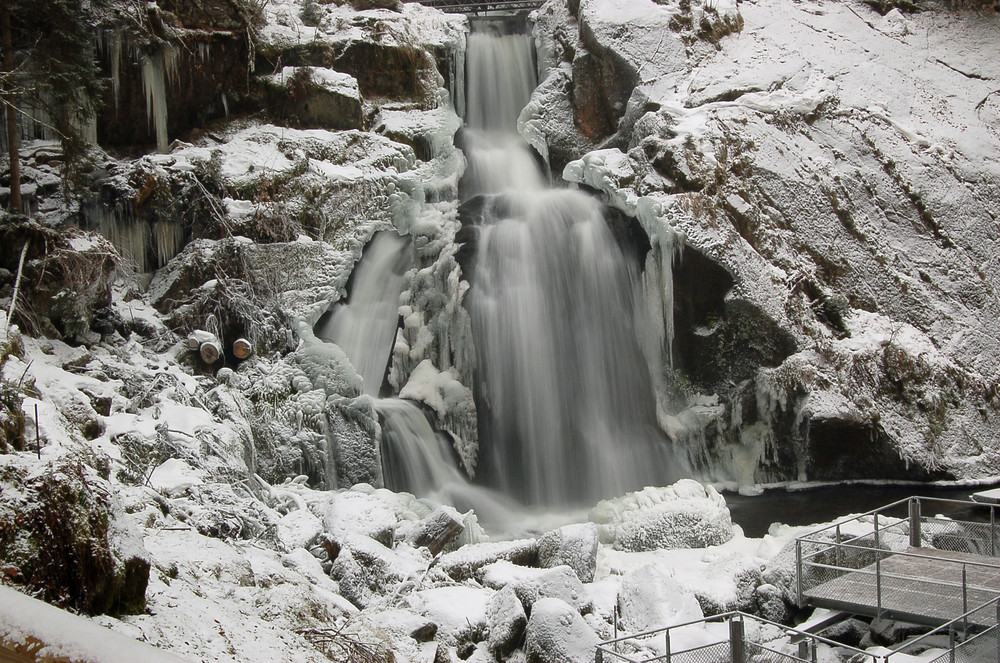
(482, 6)
(737, 637)
(860, 546)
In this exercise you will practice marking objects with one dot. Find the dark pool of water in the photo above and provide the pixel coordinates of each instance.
(826, 503)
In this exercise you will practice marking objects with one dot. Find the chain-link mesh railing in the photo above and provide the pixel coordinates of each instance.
(720, 652)
(974, 637)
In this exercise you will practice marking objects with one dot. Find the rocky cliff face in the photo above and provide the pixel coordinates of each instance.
(833, 173)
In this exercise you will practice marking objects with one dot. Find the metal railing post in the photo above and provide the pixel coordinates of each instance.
(914, 522)
(736, 641)
(666, 642)
(965, 590)
(993, 532)
(798, 572)
(804, 650)
(837, 553)
(876, 529)
(951, 644)
(878, 585)
(600, 656)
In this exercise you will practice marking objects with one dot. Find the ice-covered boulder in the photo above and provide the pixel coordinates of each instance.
(366, 569)
(469, 561)
(573, 545)
(556, 633)
(460, 613)
(649, 598)
(530, 584)
(506, 619)
(684, 515)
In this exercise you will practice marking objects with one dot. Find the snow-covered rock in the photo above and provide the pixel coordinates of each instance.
(556, 633)
(460, 613)
(573, 545)
(685, 515)
(470, 561)
(367, 570)
(650, 599)
(506, 619)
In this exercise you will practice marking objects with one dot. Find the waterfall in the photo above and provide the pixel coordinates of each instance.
(365, 326)
(415, 457)
(566, 404)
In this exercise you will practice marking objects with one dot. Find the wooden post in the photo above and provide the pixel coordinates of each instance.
(210, 351)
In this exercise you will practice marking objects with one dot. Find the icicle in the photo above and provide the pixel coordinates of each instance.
(156, 97)
(157, 70)
(116, 64)
(168, 236)
(225, 104)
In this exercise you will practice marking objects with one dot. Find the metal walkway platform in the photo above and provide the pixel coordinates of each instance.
(896, 562)
(917, 586)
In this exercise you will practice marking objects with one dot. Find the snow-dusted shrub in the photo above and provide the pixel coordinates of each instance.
(64, 536)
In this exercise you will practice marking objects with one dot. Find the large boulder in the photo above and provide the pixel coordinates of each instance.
(556, 633)
(507, 619)
(685, 515)
(572, 545)
(315, 97)
(650, 598)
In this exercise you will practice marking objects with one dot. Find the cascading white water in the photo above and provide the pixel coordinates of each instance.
(415, 457)
(567, 412)
(365, 326)
(420, 460)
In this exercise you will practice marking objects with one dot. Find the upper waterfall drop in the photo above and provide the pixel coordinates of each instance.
(566, 403)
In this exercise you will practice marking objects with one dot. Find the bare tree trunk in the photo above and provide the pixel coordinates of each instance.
(10, 104)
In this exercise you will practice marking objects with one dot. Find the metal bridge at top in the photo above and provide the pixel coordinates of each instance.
(482, 6)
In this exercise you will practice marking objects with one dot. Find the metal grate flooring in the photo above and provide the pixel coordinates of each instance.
(923, 586)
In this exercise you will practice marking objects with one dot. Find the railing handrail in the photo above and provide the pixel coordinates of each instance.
(897, 503)
(963, 618)
(894, 553)
(789, 631)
